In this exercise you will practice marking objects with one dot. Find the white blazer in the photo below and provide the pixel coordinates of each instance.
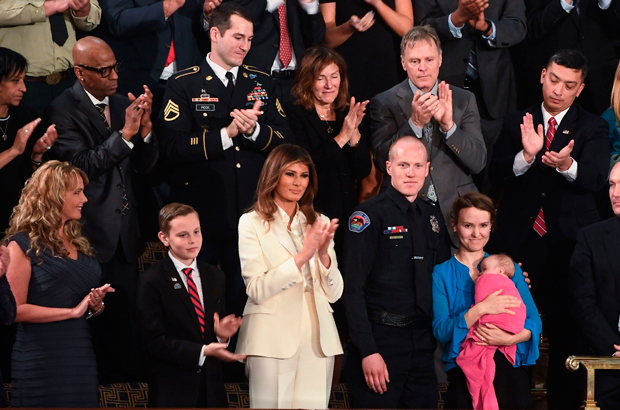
(272, 315)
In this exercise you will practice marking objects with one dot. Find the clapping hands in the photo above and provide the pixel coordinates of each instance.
(350, 127)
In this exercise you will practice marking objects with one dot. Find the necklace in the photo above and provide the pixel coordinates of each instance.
(463, 263)
(6, 126)
(325, 118)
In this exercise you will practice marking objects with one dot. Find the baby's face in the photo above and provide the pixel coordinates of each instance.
(490, 265)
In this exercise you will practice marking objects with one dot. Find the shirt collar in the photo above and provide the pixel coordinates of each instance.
(95, 101)
(403, 203)
(284, 216)
(220, 72)
(180, 265)
(414, 88)
(546, 116)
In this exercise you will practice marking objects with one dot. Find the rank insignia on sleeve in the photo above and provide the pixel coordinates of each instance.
(279, 108)
(434, 224)
(171, 112)
(358, 222)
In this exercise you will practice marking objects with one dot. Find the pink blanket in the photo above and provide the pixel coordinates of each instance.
(477, 361)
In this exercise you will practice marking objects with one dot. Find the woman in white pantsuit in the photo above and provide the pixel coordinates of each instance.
(291, 276)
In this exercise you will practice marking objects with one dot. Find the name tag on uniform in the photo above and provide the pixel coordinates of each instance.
(419, 258)
(396, 237)
(205, 107)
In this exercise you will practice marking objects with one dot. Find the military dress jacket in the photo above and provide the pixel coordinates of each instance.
(218, 183)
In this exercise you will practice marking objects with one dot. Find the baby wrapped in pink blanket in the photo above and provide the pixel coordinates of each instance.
(477, 361)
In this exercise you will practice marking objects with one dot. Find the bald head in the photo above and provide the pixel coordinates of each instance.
(87, 49)
(95, 66)
(405, 142)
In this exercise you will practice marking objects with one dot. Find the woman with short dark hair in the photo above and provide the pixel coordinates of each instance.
(22, 143)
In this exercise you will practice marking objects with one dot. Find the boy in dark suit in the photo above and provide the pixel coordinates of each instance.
(179, 303)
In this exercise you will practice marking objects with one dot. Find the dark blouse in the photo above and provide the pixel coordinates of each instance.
(338, 169)
(8, 309)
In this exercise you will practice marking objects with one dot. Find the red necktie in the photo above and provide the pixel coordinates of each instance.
(171, 54)
(193, 295)
(539, 224)
(286, 53)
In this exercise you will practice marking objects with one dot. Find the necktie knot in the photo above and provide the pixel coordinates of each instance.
(101, 107)
(187, 271)
(553, 123)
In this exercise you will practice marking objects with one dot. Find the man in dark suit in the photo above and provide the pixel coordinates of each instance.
(179, 303)
(591, 26)
(220, 121)
(283, 30)
(392, 244)
(595, 294)
(444, 117)
(476, 42)
(551, 161)
(108, 137)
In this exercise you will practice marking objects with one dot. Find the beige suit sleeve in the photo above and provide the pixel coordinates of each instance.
(331, 279)
(261, 281)
(91, 21)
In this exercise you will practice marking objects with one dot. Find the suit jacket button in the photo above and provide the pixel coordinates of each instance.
(199, 370)
(187, 183)
(118, 211)
(238, 165)
(119, 186)
(544, 194)
(237, 148)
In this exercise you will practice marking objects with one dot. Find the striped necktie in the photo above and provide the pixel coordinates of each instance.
(193, 295)
(539, 224)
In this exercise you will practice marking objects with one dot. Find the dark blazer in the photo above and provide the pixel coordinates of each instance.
(452, 162)
(497, 77)
(108, 162)
(568, 206)
(142, 37)
(591, 30)
(172, 337)
(304, 30)
(338, 169)
(200, 170)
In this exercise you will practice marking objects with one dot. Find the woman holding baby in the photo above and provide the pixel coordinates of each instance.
(455, 312)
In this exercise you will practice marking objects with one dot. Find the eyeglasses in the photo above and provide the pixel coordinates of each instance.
(104, 72)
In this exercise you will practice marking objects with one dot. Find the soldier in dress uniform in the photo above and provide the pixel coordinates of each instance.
(392, 244)
(220, 121)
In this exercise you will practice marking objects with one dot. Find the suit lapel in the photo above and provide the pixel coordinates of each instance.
(564, 133)
(405, 96)
(172, 277)
(612, 238)
(87, 107)
(282, 235)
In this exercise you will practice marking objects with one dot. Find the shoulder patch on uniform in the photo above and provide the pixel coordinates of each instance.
(254, 69)
(279, 108)
(358, 222)
(187, 71)
(434, 224)
(171, 112)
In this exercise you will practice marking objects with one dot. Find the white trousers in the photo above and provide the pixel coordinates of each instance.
(302, 381)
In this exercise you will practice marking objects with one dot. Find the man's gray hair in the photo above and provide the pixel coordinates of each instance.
(418, 33)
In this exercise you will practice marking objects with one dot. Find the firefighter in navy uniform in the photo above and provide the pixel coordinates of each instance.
(219, 122)
(392, 244)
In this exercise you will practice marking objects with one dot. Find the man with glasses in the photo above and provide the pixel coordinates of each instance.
(109, 137)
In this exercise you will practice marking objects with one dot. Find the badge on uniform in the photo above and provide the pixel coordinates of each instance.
(205, 98)
(252, 76)
(177, 286)
(171, 112)
(434, 224)
(258, 93)
(358, 222)
(395, 229)
(205, 107)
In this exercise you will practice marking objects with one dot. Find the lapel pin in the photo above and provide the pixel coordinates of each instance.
(245, 75)
(209, 78)
(174, 279)
(177, 286)
(565, 132)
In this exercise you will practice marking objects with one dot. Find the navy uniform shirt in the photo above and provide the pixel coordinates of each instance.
(391, 247)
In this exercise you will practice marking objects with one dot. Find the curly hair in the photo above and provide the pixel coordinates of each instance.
(276, 164)
(313, 62)
(40, 205)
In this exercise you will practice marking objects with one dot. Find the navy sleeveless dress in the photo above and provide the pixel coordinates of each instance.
(54, 363)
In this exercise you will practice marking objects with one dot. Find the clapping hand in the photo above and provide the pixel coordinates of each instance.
(364, 23)
(133, 116)
(245, 120)
(560, 160)
(226, 327)
(23, 134)
(443, 113)
(218, 350)
(423, 108)
(44, 143)
(170, 6)
(350, 132)
(532, 140)
(146, 105)
(96, 295)
(209, 6)
(327, 236)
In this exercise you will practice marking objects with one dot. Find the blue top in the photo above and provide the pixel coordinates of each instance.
(453, 295)
(614, 133)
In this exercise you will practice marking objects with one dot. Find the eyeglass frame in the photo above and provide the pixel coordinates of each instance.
(116, 67)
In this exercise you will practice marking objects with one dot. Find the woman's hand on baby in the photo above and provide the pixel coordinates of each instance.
(491, 335)
(495, 303)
